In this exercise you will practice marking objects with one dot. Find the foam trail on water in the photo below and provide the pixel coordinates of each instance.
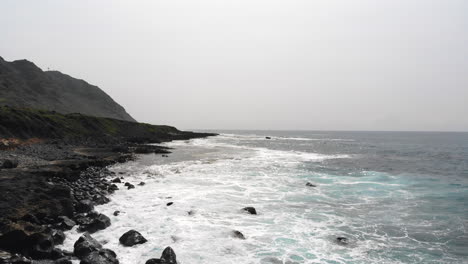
(210, 180)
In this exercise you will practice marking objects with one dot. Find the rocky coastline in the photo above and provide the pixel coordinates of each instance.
(49, 186)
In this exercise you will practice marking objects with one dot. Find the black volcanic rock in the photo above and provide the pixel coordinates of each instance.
(103, 256)
(98, 222)
(85, 245)
(131, 238)
(250, 210)
(237, 234)
(23, 84)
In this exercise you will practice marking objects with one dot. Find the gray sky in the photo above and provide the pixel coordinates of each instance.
(258, 64)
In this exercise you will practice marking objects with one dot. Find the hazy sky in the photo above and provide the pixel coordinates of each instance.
(258, 64)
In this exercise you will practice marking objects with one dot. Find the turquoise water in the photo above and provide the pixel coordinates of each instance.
(396, 197)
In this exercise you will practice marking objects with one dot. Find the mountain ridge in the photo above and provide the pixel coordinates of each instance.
(23, 84)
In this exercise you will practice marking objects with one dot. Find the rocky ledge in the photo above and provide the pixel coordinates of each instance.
(49, 186)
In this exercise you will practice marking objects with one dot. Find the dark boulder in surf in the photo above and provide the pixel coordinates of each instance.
(85, 245)
(116, 180)
(308, 184)
(237, 234)
(168, 257)
(250, 210)
(103, 256)
(84, 206)
(169, 203)
(342, 241)
(116, 213)
(267, 137)
(131, 238)
(65, 223)
(98, 222)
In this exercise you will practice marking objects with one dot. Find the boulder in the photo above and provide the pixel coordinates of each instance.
(250, 210)
(9, 164)
(64, 260)
(103, 256)
(85, 245)
(98, 223)
(237, 234)
(43, 247)
(168, 256)
(142, 183)
(310, 185)
(65, 223)
(169, 203)
(84, 206)
(116, 213)
(116, 180)
(267, 137)
(131, 238)
(342, 241)
(57, 236)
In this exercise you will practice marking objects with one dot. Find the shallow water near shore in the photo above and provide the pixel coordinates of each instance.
(397, 197)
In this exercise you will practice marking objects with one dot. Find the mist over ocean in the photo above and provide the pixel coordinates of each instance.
(398, 197)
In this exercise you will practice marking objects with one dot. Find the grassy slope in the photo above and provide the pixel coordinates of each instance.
(30, 123)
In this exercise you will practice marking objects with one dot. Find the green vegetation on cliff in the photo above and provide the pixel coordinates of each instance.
(31, 123)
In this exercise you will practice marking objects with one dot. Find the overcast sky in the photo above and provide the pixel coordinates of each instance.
(258, 64)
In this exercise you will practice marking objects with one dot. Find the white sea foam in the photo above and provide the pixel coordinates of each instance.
(295, 224)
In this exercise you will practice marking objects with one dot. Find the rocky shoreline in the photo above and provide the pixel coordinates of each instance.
(51, 186)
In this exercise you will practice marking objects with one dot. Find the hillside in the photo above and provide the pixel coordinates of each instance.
(30, 123)
(23, 84)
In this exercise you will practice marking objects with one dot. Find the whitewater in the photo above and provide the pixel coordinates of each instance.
(382, 213)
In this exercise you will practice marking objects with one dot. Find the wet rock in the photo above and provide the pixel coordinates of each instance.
(165, 156)
(98, 223)
(64, 260)
(191, 212)
(342, 241)
(168, 256)
(65, 223)
(43, 248)
(129, 185)
(237, 234)
(9, 164)
(84, 206)
(58, 236)
(169, 203)
(103, 256)
(100, 199)
(85, 245)
(310, 185)
(142, 183)
(131, 238)
(116, 213)
(267, 137)
(112, 188)
(116, 180)
(250, 210)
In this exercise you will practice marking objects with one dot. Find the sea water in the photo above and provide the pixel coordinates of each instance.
(396, 197)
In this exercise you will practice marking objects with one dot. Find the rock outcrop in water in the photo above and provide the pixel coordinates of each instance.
(90, 251)
(168, 257)
(250, 210)
(131, 238)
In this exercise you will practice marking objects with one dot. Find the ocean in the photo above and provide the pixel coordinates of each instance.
(397, 197)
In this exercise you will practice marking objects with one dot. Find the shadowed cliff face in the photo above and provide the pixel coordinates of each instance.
(23, 84)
